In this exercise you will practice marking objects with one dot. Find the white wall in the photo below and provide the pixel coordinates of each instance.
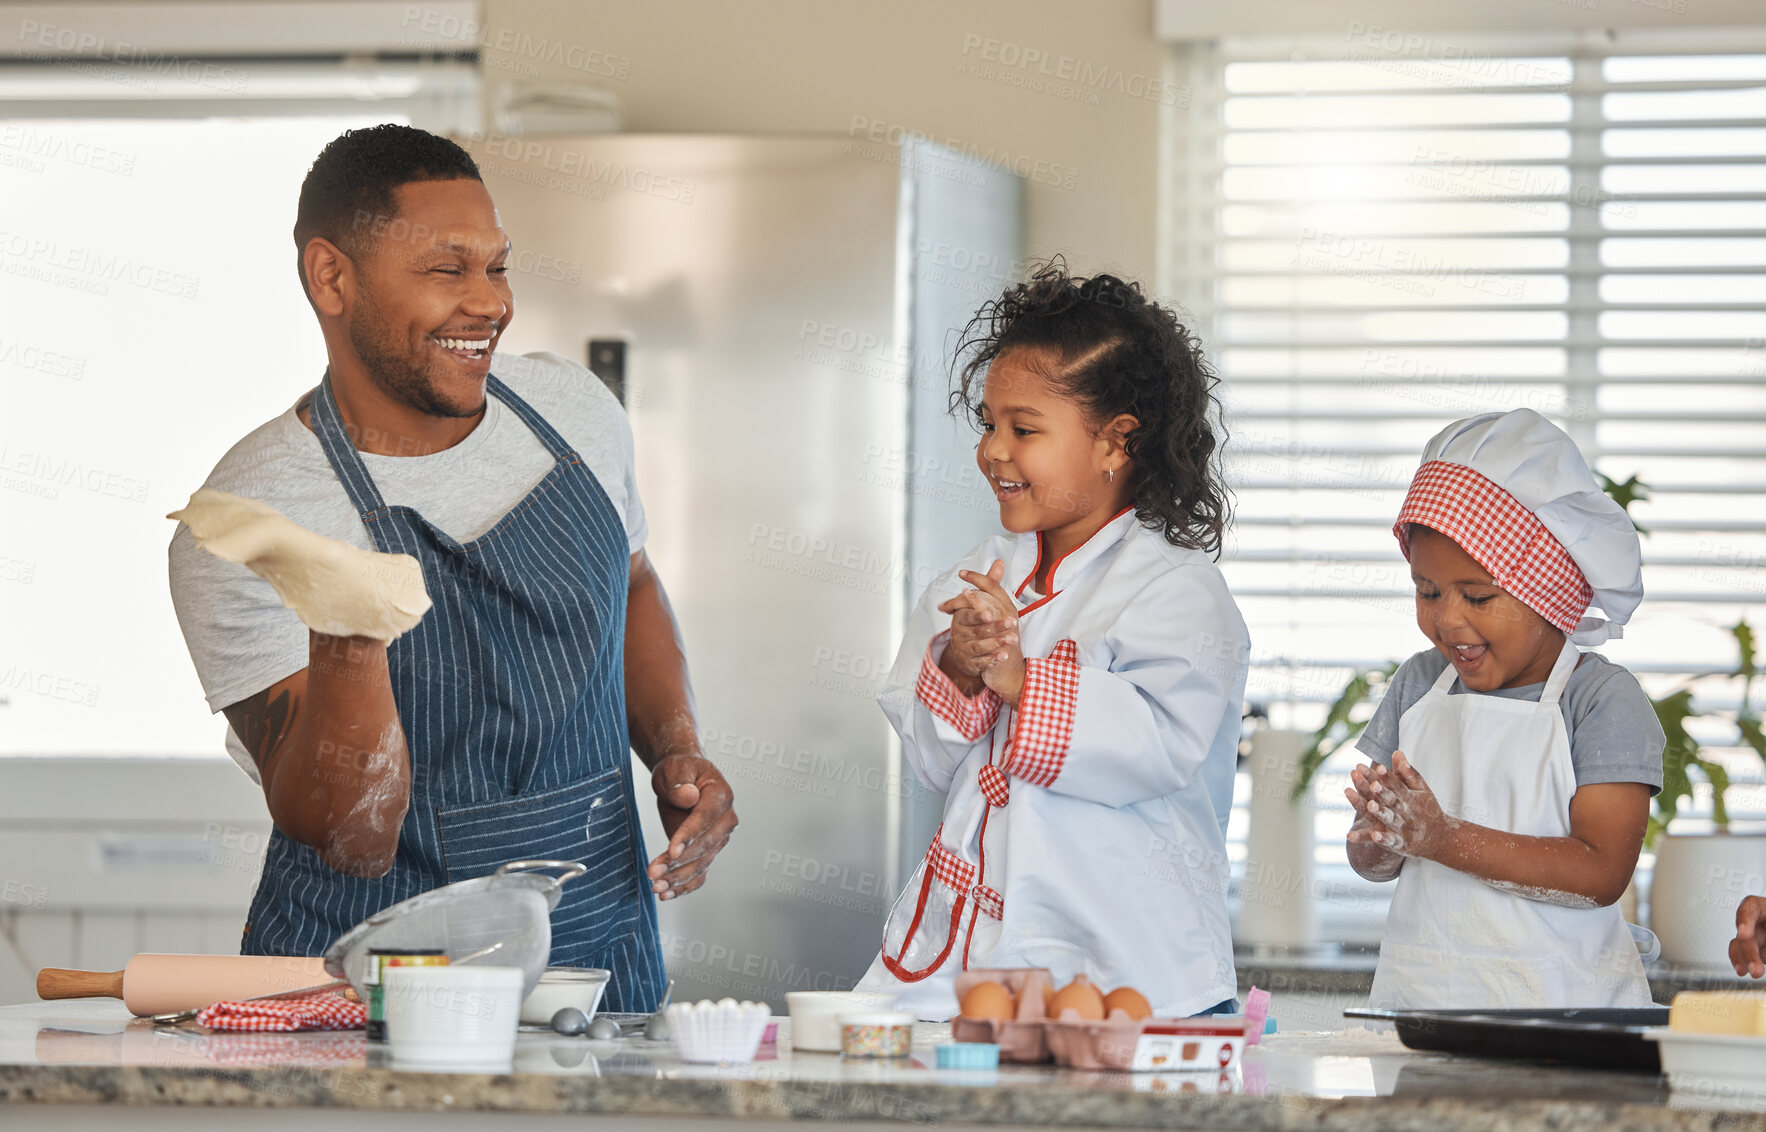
(813, 66)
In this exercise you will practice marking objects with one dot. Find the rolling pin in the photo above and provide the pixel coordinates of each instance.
(166, 984)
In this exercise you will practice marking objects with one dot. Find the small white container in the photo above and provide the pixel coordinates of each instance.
(815, 1015)
(1713, 1067)
(453, 1016)
(723, 1031)
(882, 1033)
(560, 987)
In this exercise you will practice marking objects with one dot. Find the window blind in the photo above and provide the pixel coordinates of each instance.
(1381, 232)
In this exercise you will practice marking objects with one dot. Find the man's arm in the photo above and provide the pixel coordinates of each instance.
(331, 754)
(695, 800)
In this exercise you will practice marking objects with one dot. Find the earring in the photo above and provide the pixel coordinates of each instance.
(1111, 473)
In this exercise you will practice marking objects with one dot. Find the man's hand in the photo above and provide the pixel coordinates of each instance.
(698, 815)
(983, 631)
(1750, 937)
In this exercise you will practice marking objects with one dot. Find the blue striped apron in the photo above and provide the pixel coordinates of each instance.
(511, 691)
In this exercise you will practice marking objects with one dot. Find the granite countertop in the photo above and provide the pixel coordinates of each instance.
(88, 1052)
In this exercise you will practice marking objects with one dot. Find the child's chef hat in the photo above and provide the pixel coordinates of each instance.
(1514, 492)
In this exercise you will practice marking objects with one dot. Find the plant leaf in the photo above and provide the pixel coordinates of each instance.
(1679, 751)
(1336, 728)
(1625, 494)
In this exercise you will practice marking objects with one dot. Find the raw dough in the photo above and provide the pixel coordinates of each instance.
(333, 587)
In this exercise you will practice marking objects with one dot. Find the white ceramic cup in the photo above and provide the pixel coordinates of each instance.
(452, 1015)
(815, 1015)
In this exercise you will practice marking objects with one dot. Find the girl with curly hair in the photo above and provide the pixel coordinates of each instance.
(1074, 687)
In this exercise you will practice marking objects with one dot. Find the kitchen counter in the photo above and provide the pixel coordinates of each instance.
(84, 1063)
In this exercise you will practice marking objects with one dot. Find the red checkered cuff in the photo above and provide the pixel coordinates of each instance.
(1043, 724)
(951, 870)
(971, 716)
(1505, 538)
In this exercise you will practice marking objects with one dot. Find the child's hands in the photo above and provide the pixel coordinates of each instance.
(1005, 672)
(983, 630)
(1401, 811)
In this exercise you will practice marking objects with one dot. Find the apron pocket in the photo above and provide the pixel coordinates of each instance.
(922, 928)
(584, 821)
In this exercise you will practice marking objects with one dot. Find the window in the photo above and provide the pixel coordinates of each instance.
(153, 317)
(1379, 234)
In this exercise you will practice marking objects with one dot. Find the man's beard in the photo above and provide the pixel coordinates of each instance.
(400, 376)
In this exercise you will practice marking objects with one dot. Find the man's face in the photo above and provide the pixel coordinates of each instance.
(432, 297)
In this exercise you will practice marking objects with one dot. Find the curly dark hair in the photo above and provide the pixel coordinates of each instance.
(1116, 352)
(351, 183)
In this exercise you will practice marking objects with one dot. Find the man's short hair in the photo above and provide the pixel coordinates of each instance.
(350, 187)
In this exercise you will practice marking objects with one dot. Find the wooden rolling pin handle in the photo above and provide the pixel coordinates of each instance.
(59, 982)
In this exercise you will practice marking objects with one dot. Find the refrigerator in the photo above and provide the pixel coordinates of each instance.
(778, 316)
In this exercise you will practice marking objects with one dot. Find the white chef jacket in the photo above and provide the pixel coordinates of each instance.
(1108, 854)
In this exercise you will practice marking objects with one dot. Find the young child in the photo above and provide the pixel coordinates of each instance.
(1075, 688)
(1513, 772)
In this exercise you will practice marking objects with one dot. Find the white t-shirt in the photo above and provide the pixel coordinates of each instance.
(243, 639)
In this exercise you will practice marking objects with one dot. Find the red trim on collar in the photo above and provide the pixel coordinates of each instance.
(1042, 545)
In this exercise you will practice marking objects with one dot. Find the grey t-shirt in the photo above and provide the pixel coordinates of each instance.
(1614, 733)
(241, 637)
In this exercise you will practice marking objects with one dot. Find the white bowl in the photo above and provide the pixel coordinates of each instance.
(815, 1015)
(453, 1016)
(560, 987)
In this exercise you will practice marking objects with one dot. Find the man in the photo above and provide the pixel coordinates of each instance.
(499, 727)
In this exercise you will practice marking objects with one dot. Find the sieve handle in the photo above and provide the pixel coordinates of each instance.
(568, 870)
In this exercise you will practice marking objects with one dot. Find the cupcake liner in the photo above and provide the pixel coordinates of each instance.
(723, 1031)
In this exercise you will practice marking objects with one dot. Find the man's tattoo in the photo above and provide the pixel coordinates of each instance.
(266, 727)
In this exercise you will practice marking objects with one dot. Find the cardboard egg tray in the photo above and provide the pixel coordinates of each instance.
(1117, 1042)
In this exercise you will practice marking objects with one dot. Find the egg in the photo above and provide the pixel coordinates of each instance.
(1078, 996)
(1130, 1001)
(988, 1001)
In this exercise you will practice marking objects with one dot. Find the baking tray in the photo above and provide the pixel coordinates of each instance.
(1604, 1038)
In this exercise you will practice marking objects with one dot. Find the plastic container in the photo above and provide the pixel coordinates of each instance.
(1713, 1066)
(452, 1016)
(968, 1055)
(815, 1015)
(709, 1032)
(882, 1033)
(560, 987)
(379, 959)
(1021, 1038)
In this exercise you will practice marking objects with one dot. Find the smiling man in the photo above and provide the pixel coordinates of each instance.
(500, 727)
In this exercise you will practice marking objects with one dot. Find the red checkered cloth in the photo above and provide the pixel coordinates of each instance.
(1042, 726)
(1505, 538)
(324, 1011)
(990, 902)
(972, 716)
(951, 870)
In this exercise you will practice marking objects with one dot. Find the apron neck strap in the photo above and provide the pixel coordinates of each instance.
(340, 451)
(1554, 684)
(1568, 657)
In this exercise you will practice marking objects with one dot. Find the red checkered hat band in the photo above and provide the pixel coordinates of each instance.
(1505, 538)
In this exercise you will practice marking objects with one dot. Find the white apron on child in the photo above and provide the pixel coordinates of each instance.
(1110, 858)
(1455, 941)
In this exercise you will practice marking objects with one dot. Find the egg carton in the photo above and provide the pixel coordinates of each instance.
(1116, 1042)
(1148, 1045)
(1020, 1038)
